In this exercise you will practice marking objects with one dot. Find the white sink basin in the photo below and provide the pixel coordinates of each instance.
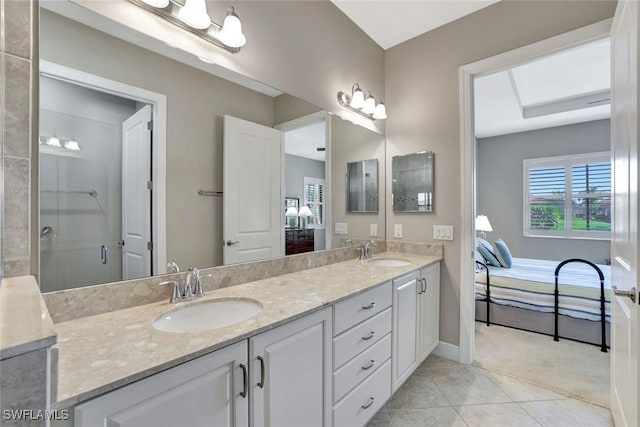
(389, 262)
(207, 315)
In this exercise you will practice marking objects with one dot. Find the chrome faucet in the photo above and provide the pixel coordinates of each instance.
(367, 248)
(192, 286)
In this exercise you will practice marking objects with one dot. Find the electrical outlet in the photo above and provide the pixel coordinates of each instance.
(397, 231)
(443, 232)
(373, 230)
(340, 228)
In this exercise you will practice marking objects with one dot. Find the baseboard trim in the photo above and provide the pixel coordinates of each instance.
(448, 351)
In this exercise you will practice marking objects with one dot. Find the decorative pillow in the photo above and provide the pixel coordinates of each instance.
(479, 258)
(489, 256)
(480, 241)
(505, 255)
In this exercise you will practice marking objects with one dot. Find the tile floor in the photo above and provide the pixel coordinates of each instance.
(444, 393)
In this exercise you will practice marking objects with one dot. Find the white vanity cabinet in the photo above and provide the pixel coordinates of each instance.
(290, 375)
(405, 328)
(207, 391)
(361, 356)
(428, 311)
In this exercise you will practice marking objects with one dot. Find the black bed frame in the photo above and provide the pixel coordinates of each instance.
(556, 337)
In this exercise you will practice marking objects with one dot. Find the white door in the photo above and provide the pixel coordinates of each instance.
(625, 239)
(405, 335)
(290, 374)
(136, 197)
(253, 213)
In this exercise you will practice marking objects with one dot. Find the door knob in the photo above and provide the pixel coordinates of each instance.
(231, 242)
(630, 293)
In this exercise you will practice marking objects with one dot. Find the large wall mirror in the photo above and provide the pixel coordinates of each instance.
(145, 158)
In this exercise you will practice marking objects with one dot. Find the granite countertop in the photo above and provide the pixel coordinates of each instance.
(106, 351)
(20, 298)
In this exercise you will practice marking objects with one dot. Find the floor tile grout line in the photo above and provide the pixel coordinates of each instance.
(531, 415)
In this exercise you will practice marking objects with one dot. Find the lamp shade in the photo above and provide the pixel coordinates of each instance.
(357, 97)
(54, 141)
(305, 212)
(483, 224)
(291, 211)
(194, 14)
(231, 32)
(381, 112)
(369, 105)
(72, 145)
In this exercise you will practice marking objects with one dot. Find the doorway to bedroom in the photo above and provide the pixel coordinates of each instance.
(543, 196)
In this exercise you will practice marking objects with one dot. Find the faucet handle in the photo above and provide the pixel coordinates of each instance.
(175, 295)
(172, 267)
(198, 286)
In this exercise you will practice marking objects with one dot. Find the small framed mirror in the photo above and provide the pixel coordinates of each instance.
(362, 186)
(412, 186)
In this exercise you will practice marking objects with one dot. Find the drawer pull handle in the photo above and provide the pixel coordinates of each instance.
(368, 404)
(245, 381)
(369, 307)
(261, 383)
(368, 337)
(369, 365)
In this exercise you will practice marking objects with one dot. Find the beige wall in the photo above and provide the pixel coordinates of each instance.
(421, 80)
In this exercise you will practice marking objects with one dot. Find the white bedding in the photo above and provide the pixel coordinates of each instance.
(529, 283)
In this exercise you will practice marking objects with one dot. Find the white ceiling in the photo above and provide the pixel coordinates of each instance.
(305, 140)
(391, 22)
(561, 89)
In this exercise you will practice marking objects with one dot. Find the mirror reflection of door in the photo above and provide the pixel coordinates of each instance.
(81, 185)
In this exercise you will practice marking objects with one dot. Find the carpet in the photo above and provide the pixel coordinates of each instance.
(575, 369)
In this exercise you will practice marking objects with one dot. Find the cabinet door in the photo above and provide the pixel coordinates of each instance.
(404, 330)
(429, 311)
(290, 373)
(202, 392)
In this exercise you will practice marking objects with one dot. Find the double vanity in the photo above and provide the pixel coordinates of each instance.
(320, 346)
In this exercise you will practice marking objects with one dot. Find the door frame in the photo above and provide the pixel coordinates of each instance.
(310, 119)
(500, 62)
(158, 104)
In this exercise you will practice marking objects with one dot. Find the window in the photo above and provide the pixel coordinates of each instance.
(568, 196)
(314, 198)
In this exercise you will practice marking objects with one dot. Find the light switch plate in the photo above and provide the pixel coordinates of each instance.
(443, 232)
(397, 231)
(373, 230)
(341, 228)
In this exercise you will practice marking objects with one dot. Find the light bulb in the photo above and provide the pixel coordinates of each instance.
(194, 14)
(54, 142)
(357, 97)
(380, 112)
(157, 3)
(231, 32)
(369, 105)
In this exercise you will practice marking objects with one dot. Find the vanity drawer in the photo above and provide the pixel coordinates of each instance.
(359, 406)
(360, 337)
(354, 310)
(361, 367)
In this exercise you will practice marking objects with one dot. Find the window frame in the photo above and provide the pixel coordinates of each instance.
(308, 180)
(567, 162)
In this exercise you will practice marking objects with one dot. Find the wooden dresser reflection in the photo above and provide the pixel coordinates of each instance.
(298, 240)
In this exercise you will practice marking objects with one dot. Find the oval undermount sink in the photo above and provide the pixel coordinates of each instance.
(208, 315)
(389, 262)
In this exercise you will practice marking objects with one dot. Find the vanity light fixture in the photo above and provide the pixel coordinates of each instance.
(365, 106)
(54, 141)
(193, 17)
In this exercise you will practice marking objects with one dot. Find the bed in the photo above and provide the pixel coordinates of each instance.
(523, 297)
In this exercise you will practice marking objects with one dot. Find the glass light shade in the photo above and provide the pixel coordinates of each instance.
(305, 212)
(194, 14)
(380, 112)
(72, 145)
(231, 32)
(54, 142)
(369, 105)
(483, 224)
(291, 211)
(157, 3)
(357, 97)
